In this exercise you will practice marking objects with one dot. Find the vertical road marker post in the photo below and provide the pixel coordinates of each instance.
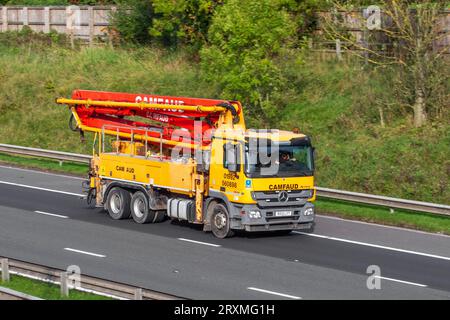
(5, 270)
(138, 294)
(64, 285)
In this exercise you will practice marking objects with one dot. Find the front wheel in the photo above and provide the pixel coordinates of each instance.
(220, 222)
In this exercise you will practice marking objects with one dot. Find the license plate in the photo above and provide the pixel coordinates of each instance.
(283, 213)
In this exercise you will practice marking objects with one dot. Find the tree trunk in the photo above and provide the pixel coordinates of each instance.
(380, 111)
(419, 109)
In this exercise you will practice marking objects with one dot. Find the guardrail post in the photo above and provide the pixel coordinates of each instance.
(138, 294)
(64, 284)
(5, 270)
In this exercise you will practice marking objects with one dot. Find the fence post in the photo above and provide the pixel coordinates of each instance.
(47, 20)
(91, 25)
(138, 294)
(366, 46)
(110, 31)
(338, 49)
(25, 16)
(5, 270)
(69, 26)
(5, 18)
(64, 285)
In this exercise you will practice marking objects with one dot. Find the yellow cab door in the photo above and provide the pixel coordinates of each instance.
(226, 168)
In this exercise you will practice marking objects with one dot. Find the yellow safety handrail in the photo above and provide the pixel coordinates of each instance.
(140, 105)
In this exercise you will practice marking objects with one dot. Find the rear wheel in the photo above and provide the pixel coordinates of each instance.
(141, 212)
(220, 222)
(118, 204)
(160, 216)
(139, 208)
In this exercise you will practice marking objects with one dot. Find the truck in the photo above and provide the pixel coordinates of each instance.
(190, 159)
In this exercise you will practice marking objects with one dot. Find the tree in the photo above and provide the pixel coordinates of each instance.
(243, 40)
(133, 20)
(182, 21)
(414, 32)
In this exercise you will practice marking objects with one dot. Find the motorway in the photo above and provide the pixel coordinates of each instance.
(44, 221)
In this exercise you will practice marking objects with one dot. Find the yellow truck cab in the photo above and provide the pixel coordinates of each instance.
(263, 191)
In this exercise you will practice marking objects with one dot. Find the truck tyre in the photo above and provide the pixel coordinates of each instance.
(220, 222)
(139, 209)
(160, 216)
(118, 203)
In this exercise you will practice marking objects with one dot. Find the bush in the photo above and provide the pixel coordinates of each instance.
(183, 22)
(133, 20)
(245, 37)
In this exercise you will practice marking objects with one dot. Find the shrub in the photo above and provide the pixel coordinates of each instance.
(245, 37)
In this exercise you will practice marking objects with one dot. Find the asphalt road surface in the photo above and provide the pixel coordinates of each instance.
(44, 221)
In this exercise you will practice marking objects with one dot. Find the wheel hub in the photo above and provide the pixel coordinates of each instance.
(116, 203)
(220, 220)
(139, 207)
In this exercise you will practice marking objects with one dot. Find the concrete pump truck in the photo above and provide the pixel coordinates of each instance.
(158, 157)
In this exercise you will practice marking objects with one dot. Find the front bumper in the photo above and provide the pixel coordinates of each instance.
(268, 221)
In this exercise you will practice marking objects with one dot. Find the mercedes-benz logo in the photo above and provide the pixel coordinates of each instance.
(283, 196)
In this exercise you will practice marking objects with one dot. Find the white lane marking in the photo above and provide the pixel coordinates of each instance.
(374, 245)
(52, 214)
(402, 281)
(199, 242)
(86, 252)
(42, 189)
(42, 172)
(383, 226)
(274, 293)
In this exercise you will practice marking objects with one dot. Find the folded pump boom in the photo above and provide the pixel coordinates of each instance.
(170, 121)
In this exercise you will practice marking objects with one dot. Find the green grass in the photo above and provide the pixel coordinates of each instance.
(46, 290)
(381, 215)
(336, 106)
(44, 164)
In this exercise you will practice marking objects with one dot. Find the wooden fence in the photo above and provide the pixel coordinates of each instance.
(81, 22)
(355, 25)
(90, 22)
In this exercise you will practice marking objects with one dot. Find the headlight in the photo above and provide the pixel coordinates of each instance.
(309, 212)
(254, 214)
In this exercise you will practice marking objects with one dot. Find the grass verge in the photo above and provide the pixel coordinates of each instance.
(44, 164)
(381, 215)
(343, 209)
(45, 290)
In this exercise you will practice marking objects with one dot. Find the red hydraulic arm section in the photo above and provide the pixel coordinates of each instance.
(151, 116)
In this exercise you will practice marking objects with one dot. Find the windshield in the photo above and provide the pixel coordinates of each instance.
(279, 160)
